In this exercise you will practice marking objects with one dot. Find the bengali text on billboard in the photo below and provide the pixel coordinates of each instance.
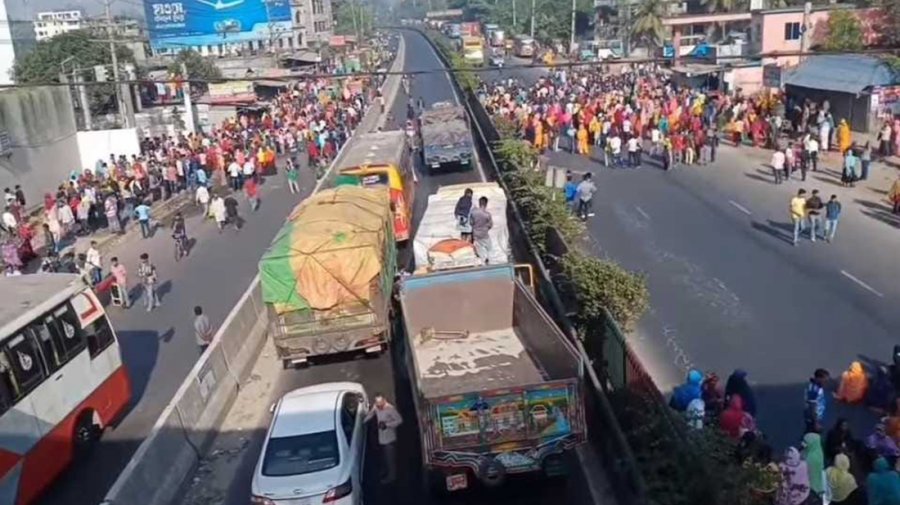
(184, 23)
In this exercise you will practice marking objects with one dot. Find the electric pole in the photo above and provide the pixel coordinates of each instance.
(123, 108)
(515, 24)
(533, 6)
(572, 37)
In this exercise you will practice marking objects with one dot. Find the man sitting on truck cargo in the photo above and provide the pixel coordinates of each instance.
(482, 222)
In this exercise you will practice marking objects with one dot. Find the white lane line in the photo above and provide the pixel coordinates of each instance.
(641, 212)
(740, 207)
(861, 283)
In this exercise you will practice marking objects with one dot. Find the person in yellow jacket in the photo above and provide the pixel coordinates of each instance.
(582, 137)
(538, 135)
(594, 128)
(845, 140)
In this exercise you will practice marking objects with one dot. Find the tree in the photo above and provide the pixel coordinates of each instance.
(75, 50)
(844, 32)
(352, 18)
(891, 19)
(198, 67)
(647, 25)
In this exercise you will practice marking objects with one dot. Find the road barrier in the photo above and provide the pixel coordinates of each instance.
(166, 460)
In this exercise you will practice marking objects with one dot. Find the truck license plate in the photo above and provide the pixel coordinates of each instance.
(457, 482)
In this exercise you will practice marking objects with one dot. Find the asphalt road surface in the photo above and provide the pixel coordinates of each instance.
(377, 374)
(158, 347)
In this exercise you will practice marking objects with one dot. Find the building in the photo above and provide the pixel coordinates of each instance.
(252, 28)
(50, 24)
(129, 31)
(16, 35)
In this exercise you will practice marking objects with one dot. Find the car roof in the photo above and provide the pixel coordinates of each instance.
(302, 413)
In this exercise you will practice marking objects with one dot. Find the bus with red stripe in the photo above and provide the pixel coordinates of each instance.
(62, 381)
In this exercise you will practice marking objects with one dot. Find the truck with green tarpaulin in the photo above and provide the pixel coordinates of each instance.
(327, 277)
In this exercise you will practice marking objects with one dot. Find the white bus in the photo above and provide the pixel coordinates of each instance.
(61, 379)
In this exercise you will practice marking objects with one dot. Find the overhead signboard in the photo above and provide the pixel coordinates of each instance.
(189, 23)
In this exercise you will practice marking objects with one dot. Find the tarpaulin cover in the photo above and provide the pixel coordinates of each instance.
(846, 73)
(439, 223)
(329, 251)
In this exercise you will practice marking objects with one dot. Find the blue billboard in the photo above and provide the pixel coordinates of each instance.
(210, 22)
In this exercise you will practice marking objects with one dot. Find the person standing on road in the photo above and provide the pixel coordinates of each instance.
(778, 160)
(202, 199)
(832, 215)
(293, 176)
(570, 190)
(814, 207)
(142, 212)
(389, 420)
(586, 190)
(865, 160)
(111, 209)
(203, 329)
(634, 148)
(94, 263)
(812, 149)
(149, 279)
(219, 212)
(120, 274)
(231, 212)
(482, 222)
(251, 189)
(798, 213)
(894, 196)
(814, 411)
(848, 176)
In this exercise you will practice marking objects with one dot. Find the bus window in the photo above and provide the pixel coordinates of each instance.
(61, 327)
(24, 363)
(99, 336)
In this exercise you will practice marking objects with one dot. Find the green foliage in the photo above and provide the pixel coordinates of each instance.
(79, 51)
(462, 68)
(351, 17)
(197, 66)
(603, 284)
(845, 32)
(647, 26)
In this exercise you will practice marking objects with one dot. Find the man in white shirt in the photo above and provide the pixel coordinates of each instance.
(778, 166)
(249, 169)
(615, 148)
(95, 263)
(234, 172)
(656, 141)
(634, 147)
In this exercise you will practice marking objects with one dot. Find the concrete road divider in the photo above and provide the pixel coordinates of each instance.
(167, 458)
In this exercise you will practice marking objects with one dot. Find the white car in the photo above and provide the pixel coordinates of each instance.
(314, 448)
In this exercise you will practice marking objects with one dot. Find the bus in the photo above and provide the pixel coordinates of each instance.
(382, 160)
(62, 381)
(524, 46)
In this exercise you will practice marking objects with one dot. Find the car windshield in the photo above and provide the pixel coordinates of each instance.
(301, 454)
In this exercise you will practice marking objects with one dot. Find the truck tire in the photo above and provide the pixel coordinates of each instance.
(491, 473)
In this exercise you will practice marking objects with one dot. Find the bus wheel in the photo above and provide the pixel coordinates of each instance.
(87, 433)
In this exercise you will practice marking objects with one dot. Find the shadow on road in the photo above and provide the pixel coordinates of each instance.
(879, 212)
(781, 231)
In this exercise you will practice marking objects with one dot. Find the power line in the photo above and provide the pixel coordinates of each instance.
(477, 70)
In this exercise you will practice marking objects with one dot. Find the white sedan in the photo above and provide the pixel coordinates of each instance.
(314, 448)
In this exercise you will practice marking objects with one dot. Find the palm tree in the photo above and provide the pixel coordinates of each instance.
(647, 24)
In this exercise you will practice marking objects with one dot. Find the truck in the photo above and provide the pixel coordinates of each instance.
(327, 278)
(470, 29)
(445, 138)
(473, 49)
(437, 244)
(496, 385)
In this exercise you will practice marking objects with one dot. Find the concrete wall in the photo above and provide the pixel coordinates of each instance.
(99, 144)
(41, 126)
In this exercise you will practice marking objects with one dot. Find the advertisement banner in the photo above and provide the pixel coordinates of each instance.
(211, 22)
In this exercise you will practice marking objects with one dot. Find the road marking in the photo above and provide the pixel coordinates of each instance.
(740, 207)
(641, 212)
(861, 283)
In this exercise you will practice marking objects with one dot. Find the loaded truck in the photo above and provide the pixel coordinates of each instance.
(495, 383)
(327, 277)
(445, 138)
(473, 49)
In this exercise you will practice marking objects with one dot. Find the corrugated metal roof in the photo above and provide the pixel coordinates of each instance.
(846, 73)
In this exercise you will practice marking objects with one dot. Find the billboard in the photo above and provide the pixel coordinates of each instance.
(211, 22)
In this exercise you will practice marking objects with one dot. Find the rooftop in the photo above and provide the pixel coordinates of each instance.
(22, 294)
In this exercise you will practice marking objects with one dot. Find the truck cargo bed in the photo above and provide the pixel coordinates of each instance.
(478, 362)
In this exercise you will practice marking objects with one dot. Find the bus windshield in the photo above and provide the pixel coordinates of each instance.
(63, 334)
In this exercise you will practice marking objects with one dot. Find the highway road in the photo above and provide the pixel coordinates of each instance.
(727, 288)
(377, 374)
(158, 347)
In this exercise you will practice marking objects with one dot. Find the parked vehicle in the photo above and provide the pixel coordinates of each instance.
(524, 47)
(328, 275)
(314, 448)
(382, 160)
(445, 138)
(495, 383)
(473, 49)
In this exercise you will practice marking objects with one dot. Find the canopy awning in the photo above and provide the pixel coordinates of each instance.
(846, 73)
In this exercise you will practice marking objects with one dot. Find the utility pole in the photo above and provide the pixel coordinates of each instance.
(85, 104)
(515, 25)
(123, 107)
(805, 34)
(189, 122)
(572, 37)
(533, 6)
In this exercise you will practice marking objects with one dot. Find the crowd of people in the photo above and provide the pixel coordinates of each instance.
(311, 119)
